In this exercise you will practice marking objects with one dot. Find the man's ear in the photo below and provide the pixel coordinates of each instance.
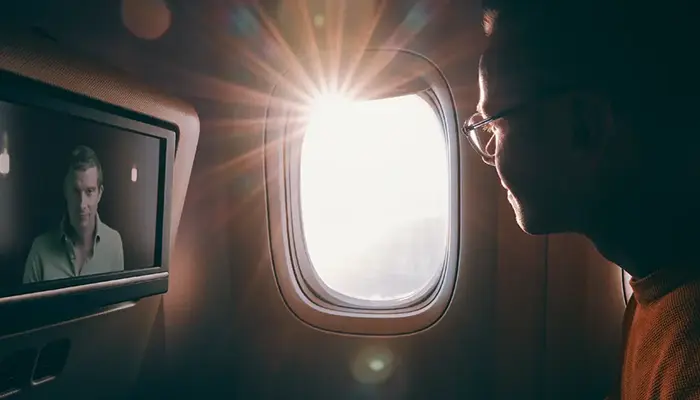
(593, 124)
(100, 190)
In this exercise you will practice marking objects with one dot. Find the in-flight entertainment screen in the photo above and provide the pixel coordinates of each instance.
(78, 197)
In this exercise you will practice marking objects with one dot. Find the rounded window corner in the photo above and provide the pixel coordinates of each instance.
(365, 322)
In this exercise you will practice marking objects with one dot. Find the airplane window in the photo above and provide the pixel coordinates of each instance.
(374, 196)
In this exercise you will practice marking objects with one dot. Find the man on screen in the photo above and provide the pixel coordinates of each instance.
(82, 244)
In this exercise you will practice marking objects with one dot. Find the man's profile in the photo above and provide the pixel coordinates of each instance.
(586, 113)
(82, 244)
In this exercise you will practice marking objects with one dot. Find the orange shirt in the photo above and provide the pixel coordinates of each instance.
(661, 357)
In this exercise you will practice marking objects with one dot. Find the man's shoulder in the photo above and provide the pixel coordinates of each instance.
(110, 234)
(46, 240)
(680, 348)
(667, 339)
(107, 230)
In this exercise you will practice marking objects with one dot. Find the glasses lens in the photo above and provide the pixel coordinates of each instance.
(482, 136)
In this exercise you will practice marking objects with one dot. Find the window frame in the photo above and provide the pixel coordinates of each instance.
(303, 291)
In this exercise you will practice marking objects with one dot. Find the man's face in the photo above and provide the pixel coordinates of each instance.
(83, 193)
(537, 160)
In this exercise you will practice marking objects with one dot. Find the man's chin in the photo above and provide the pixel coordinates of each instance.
(534, 223)
(540, 225)
(81, 223)
(531, 228)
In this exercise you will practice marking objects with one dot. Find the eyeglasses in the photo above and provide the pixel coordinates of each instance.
(481, 132)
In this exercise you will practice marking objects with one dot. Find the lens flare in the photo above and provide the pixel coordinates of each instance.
(146, 19)
(373, 365)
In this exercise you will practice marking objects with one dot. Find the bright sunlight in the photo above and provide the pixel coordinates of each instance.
(375, 195)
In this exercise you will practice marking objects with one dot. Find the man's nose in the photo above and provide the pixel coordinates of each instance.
(84, 201)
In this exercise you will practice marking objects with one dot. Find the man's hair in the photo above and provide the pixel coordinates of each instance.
(83, 158)
(640, 54)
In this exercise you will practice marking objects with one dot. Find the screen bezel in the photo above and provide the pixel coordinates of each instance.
(116, 286)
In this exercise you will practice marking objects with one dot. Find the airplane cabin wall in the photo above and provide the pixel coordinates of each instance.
(584, 308)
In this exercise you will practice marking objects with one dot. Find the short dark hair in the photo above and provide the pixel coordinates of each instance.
(82, 158)
(639, 53)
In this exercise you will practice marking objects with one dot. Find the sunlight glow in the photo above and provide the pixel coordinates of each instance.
(375, 195)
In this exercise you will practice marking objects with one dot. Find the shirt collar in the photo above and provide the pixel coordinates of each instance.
(662, 282)
(65, 228)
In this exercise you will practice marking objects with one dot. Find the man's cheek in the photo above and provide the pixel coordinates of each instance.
(518, 168)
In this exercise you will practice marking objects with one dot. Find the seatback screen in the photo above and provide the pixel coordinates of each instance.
(78, 197)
